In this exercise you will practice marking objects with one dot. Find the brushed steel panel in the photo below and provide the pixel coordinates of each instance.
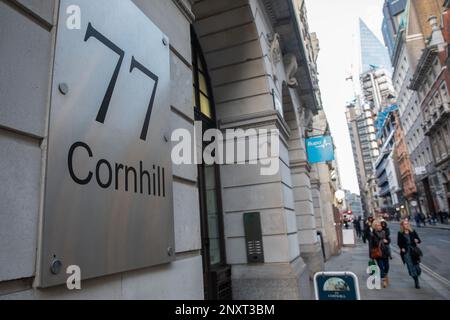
(98, 212)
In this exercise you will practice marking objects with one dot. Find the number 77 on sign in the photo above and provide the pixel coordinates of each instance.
(91, 32)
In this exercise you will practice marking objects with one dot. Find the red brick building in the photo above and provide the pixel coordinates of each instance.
(404, 165)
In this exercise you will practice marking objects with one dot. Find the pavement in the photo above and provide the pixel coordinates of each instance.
(355, 259)
(429, 226)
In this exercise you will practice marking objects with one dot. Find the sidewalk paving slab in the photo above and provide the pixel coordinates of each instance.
(430, 226)
(401, 286)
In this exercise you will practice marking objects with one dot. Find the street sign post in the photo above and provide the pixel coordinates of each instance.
(332, 285)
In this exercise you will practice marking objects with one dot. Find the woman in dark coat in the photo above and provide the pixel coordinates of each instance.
(407, 242)
(380, 239)
(386, 229)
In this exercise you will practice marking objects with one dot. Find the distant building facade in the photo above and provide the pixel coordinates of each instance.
(386, 166)
(361, 125)
(353, 204)
(431, 80)
(392, 10)
(406, 172)
(414, 29)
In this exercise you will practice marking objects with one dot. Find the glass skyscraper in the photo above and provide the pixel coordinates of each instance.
(374, 54)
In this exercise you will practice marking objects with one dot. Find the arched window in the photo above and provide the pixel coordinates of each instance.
(213, 246)
(202, 93)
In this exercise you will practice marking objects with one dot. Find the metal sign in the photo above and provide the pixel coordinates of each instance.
(420, 170)
(320, 149)
(108, 199)
(336, 286)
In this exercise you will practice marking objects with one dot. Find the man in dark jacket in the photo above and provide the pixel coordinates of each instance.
(367, 229)
(357, 226)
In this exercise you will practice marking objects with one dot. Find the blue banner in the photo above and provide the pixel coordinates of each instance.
(320, 149)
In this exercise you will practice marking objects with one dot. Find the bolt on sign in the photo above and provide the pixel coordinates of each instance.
(108, 196)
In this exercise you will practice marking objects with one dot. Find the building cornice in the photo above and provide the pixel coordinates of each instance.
(287, 19)
(423, 66)
(185, 9)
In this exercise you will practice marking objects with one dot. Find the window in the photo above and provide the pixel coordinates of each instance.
(444, 92)
(431, 107)
(435, 149)
(441, 144)
(446, 136)
(437, 99)
(432, 74)
(211, 217)
(436, 66)
(202, 91)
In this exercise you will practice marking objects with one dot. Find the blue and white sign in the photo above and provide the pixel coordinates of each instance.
(320, 149)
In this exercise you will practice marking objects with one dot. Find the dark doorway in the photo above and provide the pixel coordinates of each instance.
(216, 273)
(429, 197)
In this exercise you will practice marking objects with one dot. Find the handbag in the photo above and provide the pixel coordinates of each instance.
(416, 253)
(376, 253)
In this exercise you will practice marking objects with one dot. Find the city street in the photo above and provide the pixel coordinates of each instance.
(355, 259)
(213, 150)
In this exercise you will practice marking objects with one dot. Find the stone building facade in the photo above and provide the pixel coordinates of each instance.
(410, 41)
(431, 80)
(405, 169)
(250, 64)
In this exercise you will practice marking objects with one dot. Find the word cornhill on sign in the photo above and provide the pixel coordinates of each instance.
(151, 182)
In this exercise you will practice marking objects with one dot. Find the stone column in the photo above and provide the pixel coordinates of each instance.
(283, 274)
(319, 203)
(310, 249)
(326, 198)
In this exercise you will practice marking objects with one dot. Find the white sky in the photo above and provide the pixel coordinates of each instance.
(337, 26)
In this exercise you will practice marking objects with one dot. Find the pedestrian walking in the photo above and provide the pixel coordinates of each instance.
(357, 226)
(445, 217)
(386, 229)
(379, 250)
(407, 240)
(433, 218)
(423, 219)
(367, 229)
(418, 219)
(441, 216)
